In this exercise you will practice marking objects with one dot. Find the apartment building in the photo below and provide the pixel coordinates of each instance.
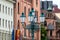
(6, 19)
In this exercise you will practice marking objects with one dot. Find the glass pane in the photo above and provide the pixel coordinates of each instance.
(42, 19)
(33, 13)
(22, 19)
(30, 18)
(35, 19)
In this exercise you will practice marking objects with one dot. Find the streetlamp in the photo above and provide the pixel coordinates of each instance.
(31, 27)
(22, 17)
(43, 30)
(42, 17)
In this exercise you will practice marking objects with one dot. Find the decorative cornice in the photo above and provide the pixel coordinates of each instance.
(12, 1)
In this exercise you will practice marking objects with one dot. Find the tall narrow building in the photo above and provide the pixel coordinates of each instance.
(6, 19)
(25, 7)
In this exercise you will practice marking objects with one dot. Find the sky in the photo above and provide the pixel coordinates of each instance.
(57, 2)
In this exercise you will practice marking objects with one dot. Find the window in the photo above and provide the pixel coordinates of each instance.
(8, 11)
(36, 2)
(11, 11)
(42, 5)
(3, 22)
(50, 32)
(18, 7)
(6, 23)
(25, 10)
(29, 10)
(0, 36)
(0, 21)
(30, 1)
(3, 8)
(0, 7)
(9, 24)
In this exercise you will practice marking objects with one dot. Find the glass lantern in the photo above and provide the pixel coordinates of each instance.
(22, 17)
(42, 17)
(33, 11)
(30, 17)
(35, 18)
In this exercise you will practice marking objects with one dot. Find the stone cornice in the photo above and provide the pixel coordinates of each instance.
(11, 1)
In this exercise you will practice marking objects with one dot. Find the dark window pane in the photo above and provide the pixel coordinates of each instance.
(36, 2)
(29, 10)
(50, 32)
(25, 10)
(42, 5)
(18, 8)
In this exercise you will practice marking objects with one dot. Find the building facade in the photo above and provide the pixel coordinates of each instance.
(6, 19)
(53, 31)
(49, 19)
(25, 6)
(56, 11)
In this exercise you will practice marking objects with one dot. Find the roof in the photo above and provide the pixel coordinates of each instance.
(57, 17)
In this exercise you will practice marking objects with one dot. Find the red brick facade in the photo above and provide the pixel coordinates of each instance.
(25, 6)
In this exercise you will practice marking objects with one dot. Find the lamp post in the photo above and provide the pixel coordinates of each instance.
(31, 27)
(22, 17)
(43, 30)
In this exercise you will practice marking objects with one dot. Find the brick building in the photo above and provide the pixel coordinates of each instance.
(25, 6)
(56, 11)
(49, 18)
(54, 19)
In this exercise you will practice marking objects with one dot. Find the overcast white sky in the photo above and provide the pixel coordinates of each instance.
(57, 2)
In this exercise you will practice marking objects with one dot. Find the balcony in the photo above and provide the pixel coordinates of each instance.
(12, 1)
(49, 16)
(54, 37)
